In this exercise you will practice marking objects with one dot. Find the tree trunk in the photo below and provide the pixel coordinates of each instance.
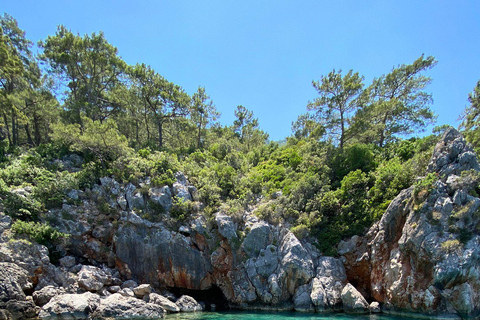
(342, 134)
(8, 129)
(160, 134)
(14, 130)
(29, 136)
(199, 132)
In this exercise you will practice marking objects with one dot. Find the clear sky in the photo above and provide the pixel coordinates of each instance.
(264, 54)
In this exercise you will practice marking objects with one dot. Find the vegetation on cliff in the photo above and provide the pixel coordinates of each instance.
(77, 112)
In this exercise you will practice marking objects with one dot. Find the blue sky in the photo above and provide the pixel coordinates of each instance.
(264, 54)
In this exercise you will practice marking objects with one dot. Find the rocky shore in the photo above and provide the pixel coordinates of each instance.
(421, 257)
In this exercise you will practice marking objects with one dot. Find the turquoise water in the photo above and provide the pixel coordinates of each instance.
(242, 315)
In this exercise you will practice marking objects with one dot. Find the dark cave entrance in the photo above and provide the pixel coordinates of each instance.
(214, 296)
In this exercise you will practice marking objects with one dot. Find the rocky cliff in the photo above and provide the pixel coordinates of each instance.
(423, 255)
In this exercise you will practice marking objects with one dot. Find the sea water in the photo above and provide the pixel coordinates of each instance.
(243, 315)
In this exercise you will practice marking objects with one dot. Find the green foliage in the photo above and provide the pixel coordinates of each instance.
(181, 210)
(40, 232)
(424, 186)
(471, 117)
(99, 141)
(396, 104)
(337, 102)
(451, 246)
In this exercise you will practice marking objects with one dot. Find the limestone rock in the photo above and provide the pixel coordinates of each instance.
(129, 284)
(22, 309)
(119, 307)
(142, 290)
(353, 301)
(134, 197)
(327, 286)
(68, 261)
(375, 307)
(162, 301)
(92, 278)
(43, 296)
(168, 259)
(302, 301)
(161, 196)
(420, 257)
(226, 227)
(13, 282)
(127, 292)
(180, 187)
(70, 306)
(188, 304)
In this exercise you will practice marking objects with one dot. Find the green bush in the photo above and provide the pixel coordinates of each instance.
(40, 232)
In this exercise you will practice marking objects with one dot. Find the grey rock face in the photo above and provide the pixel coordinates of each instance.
(180, 187)
(328, 284)
(163, 302)
(13, 281)
(70, 306)
(302, 301)
(226, 227)
(167, 259)
(119, 307)
(452, 155)
(353, 301)
(68, 261)
(188, 304)
(162, 196)
(134, 197)
(419, 257)
(258, 238)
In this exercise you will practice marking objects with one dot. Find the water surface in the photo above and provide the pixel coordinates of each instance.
(244, 315)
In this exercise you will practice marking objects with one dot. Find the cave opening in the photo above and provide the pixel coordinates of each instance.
(213, 296)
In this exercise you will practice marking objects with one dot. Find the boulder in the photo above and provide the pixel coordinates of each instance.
(114, 289)
(142, 290)
(70, 306)
(129, 284)
(353, 301)
(127, 292)
(162, 301)
(13, 282)
(43, 296)
(92, 278)
(119, 307)
(5, 315)
(22, 309)
(375, 307)
(188, 304)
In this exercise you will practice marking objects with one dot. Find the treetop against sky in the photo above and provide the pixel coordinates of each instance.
(264, 55)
